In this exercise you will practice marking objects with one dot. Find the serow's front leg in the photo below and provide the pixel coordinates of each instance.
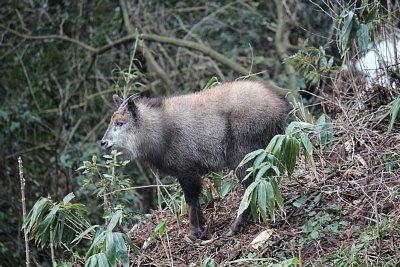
(191, 189)
(196, 219)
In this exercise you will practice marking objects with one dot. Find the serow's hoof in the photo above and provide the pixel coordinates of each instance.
(230, 233)
(191, 239)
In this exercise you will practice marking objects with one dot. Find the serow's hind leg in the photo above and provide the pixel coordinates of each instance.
(244, 217)
(191, 189)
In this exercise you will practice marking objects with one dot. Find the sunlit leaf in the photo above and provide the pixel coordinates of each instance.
(68, 198)
(211, 82)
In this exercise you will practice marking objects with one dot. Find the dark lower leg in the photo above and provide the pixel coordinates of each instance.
(191, 189)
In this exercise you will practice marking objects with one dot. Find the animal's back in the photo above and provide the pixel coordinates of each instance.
(216, 127)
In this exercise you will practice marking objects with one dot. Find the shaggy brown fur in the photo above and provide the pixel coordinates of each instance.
(189, 135)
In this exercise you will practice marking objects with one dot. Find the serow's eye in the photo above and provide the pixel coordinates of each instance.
(119, 123)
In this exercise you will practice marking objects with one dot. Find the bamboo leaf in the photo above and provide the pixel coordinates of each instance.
(121, 249)
(346, 32)
(324, 131)
(211, 82)
(363, 38)
(394, 113)
(278, 194)
(87, 231)
(37, 211)
(133, 246)
(111, 250)
(262, 171)
(97, 241)
(43, 231)
(102, 260)
(275, 145)
(68, 198)
(305, 140)
(244, 204)
(116, 217)
(227, 187)
(270, 200)
(253, 203)
(160, 228)
(262, 200)
(250, 156)
(372, 15)
(259, 159)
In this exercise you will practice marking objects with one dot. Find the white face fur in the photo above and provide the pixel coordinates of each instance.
(121, 133)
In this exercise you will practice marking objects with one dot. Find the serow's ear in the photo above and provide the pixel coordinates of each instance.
(132, 107)
(117, 100)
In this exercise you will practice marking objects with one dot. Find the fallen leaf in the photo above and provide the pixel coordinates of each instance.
(261, 238)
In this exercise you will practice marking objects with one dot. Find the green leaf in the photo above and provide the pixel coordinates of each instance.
(275, 145)
(270, 200)
(305, 141)
(299, 126)
(291, 152)
(68, 198)
(276, 170)
(37, 211)
(253, 203)
(116, 217)
(98, 260)
(363, 38)
(346, 32)
(43, 231)
(324, 131)
(87, 231)
(244, 204)
(372, 15)
(262, 171)
(111, 250)
(160, 228)
(394, 113)
(300, 202)
(97, 242)
(135, 249)
(250, 156)
(262, 200)
(259, 159)
(121, 249)
(211, 82)
(278, 195)
(227, 187)
(288, 263)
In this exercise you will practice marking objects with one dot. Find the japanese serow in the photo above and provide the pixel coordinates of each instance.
(190, 135)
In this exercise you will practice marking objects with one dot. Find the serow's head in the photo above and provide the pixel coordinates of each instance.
(122, 132)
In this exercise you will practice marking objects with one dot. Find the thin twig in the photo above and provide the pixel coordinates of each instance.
(22, 179)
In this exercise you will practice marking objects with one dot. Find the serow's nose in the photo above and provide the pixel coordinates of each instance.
(103, 144)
